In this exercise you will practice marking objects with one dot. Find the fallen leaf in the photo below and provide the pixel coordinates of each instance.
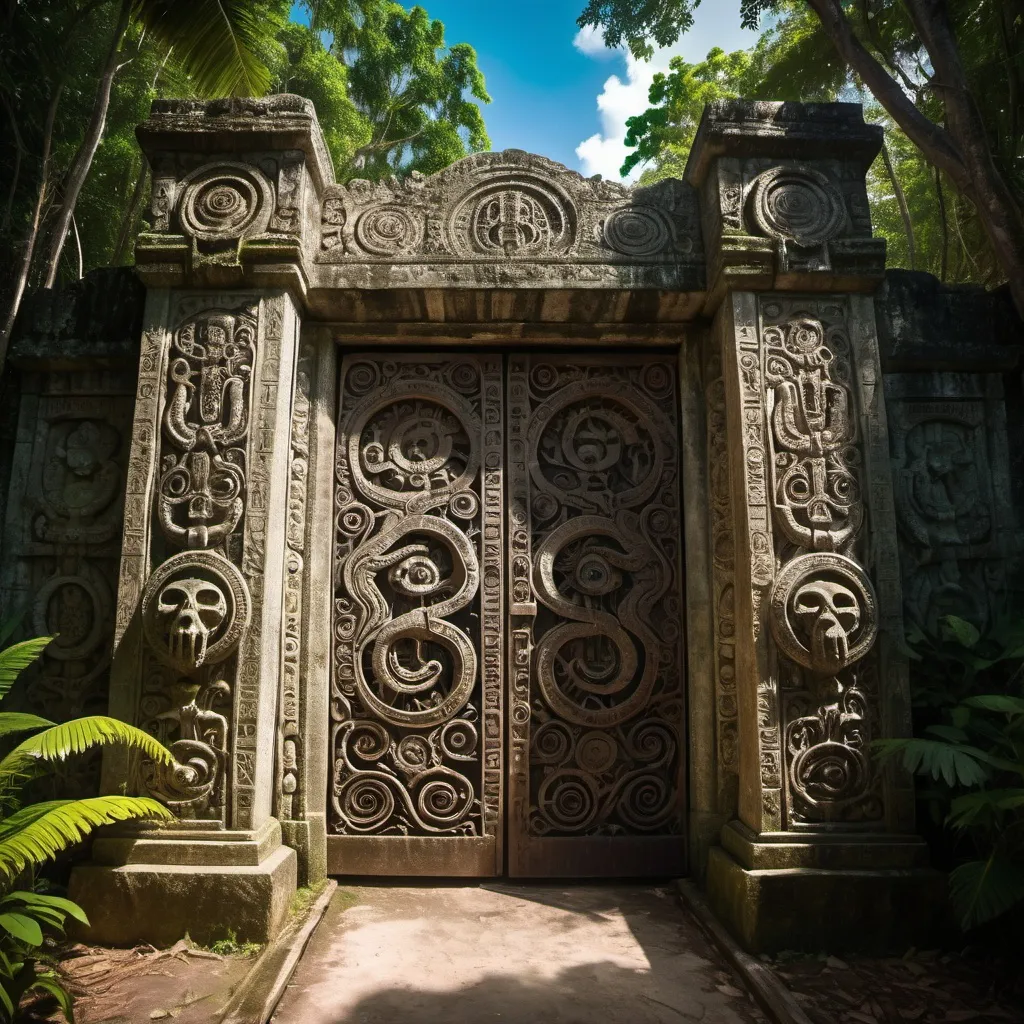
(729, 990)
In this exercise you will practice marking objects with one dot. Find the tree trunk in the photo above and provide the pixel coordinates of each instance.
(82, 162)
(128, 220)
(944, 265)
(25, 261)
(901, 202)
(960, 151)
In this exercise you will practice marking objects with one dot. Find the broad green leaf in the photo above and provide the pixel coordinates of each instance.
(965, 810)
(49, 982)
(948, 732)
(982, 890)
(965, 633)
(12, 722)
(30, 838)
(17, 657)
(997, 702)
(10, 624)
(6, 999)
(23, 928)
(59, 903)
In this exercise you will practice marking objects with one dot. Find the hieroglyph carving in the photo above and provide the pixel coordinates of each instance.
(596, 728)
(416, 691)
(723, 588)
(289, 752)
(823, 611)
(504, 206)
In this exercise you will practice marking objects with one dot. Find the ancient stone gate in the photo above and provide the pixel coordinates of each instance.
(502, 521)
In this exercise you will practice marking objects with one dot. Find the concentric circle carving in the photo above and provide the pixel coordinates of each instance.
(824, 611)
(513, 216)
(800, 206)
(388, 231)
(637, 231)
(195, 609)
(225, 201)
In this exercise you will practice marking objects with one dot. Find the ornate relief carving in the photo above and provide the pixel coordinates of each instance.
(594, 553)
(955, 550)
(206, 422)
(224, 202)
(823, 610)
(416, 693)
(723, 590)
(507, 206)
(799, 206)
(197, 604)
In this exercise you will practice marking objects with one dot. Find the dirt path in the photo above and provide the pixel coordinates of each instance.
(466, 954)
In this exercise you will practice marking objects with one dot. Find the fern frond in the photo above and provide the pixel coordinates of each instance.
(31, 839)
(16, 658)
(75, 737)
(955, 765)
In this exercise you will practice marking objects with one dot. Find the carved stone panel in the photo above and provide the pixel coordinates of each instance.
(958, 549)
(597, 700)
(416, 693)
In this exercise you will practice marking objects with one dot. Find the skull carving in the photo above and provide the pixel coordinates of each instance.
(830, 614)
(190, 611)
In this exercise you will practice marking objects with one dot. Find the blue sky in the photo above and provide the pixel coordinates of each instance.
(558, 91)
(562, 93)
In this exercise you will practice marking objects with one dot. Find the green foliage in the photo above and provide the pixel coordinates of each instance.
(230, 946)
(972, 750)
(33, 834)
(938, 228)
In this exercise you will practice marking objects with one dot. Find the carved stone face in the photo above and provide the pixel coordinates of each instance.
(191, 610)
(829, 614)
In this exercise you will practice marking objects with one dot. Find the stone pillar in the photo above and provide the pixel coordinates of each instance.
(208, 645)
(804, 570)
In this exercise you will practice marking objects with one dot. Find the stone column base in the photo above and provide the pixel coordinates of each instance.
(158, 886)
(843, 893)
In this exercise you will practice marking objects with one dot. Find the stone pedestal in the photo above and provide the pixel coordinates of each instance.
(804, 575)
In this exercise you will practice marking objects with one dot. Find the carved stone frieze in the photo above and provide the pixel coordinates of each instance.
(508, 206)
(416, 692)
(596, 741)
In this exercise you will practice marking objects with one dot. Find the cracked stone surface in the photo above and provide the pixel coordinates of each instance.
(511, 953)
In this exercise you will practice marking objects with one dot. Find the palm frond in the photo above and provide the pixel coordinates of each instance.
(12, 722)
(16, 658)
(75, 737)
(40, 837)
(954, 764)
(215, 41)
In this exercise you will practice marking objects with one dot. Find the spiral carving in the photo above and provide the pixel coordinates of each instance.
(800, 206)
(637, 230)
(388, 231)
(224, 202)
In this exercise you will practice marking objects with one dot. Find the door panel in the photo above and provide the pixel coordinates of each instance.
(596, 705)
(416, 730)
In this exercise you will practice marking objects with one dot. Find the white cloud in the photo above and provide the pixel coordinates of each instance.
(604, 151)
(590, 41)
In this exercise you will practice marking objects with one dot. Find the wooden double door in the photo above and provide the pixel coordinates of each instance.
(508, 693)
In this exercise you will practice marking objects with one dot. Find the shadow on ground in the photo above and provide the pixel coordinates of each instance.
(514, 954)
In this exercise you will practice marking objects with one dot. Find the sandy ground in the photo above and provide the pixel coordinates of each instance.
(469, 954)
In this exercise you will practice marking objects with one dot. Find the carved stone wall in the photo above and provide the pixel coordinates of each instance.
(73, 377)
